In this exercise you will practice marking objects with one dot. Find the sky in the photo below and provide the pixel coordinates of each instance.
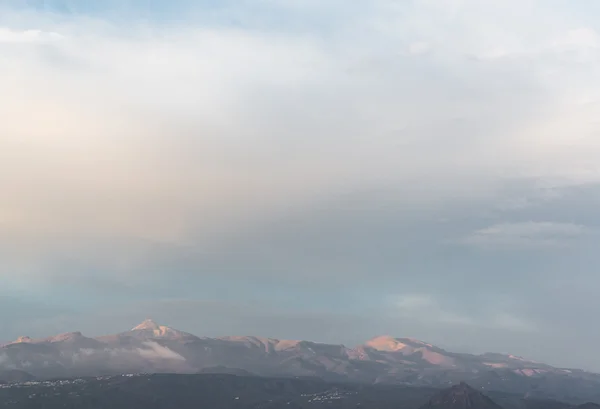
(329, 170)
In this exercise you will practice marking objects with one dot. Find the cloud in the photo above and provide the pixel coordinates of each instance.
(284, 152)
(419, 47)
(527, 235)
(8, 35)
(151, 355)
(149, 153)
(156, 351)
(507, 321)
(580, 38)
(427, 308)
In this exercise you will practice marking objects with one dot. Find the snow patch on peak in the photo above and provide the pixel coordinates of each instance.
(271, 345)
(391, 344)
(520, 358)
(436, 358)
(146, 325)
(496, 365)
(23, 340)
(530, 372)
(418, 342)
(508, 358)
(410, 347)
(386, 343)
(149, 327)
(287, 344)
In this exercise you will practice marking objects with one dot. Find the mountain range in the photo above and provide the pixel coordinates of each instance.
(153, 348)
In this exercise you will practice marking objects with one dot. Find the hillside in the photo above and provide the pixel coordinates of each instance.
(225, 392)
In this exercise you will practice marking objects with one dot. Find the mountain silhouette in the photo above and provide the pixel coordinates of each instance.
(460, 396)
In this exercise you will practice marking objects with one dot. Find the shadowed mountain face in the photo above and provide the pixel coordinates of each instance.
(15, 376)
(153, 348)
(460, 396)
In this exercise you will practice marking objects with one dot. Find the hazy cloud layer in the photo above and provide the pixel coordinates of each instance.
(419, 168)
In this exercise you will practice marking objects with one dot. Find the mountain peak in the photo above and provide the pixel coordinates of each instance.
(411, 347)
(460, 396)
(69, 336)
(385, 343)
(148, 324)
(416, 341)
(390, 344)
(154, 330)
